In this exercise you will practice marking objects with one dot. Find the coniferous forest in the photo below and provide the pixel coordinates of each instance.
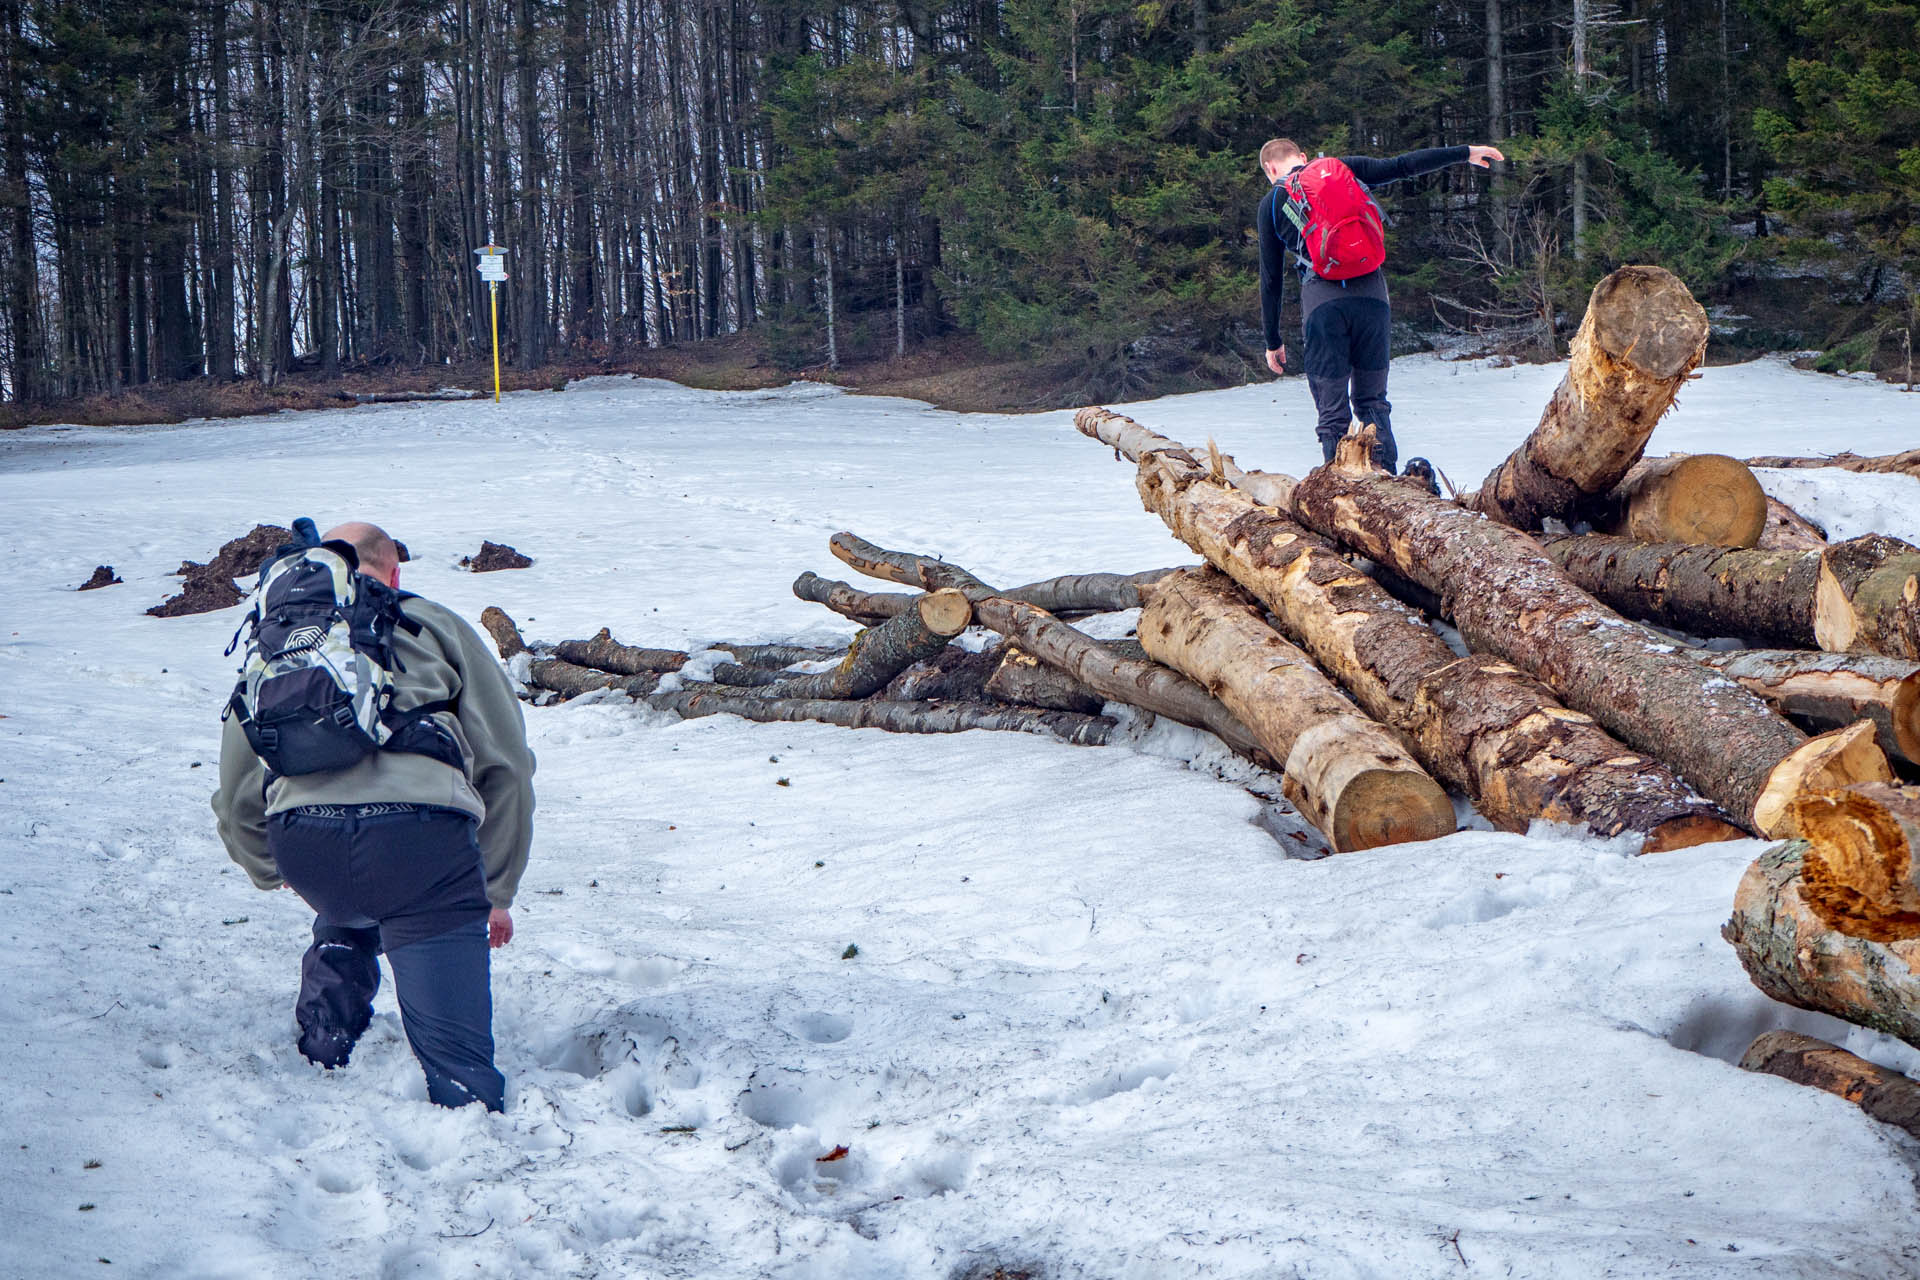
(243, 188)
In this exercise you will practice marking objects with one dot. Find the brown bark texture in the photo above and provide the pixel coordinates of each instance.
(1347, 774)
(1071, 594)
(1857, 596)
(1834, 689)
(1793, 956)
(568, 679)
(880, 653)
(1860, 875)
(952, 675)
(608, 654)
(1478, 724)
(1907, 463)
(1788, 530)
(1019, 677)
(868, 608)
(1508, 598)
(1882, 1093)
(1688, 497)
(1642, 335)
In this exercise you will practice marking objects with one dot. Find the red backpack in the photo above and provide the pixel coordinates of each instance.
(1338, 221)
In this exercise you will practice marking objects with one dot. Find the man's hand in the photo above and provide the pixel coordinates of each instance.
(1277, 359)
(1481, 157)
(499, 927)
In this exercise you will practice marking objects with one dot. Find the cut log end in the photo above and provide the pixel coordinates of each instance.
(1689, 830)
(1645, 316)
(1858, 875)
(945, 612)
(1825, 763)
(1389, 806)
(1701, 498)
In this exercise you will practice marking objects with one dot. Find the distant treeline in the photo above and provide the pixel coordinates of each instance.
(228, 188)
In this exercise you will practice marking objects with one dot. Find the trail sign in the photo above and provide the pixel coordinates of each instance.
(493, 269)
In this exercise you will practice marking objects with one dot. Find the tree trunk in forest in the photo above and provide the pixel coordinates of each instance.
(1642, 335)
(1886, 1095)
(1907, 463)
(1796, 958)
(1859, 874)
(1830, 690)
(1687, 497)
(1788, 530)
(1477, 724)
(880, 653)
(1021, 678)
(1346, 774)
(1508, 598)
(1858, 596)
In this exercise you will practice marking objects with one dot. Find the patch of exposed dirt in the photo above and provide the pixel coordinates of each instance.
(243, 556)
(210, 586)
(493, 557)
(103, 576)
(202, 592)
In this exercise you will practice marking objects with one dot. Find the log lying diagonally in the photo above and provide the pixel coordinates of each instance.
(1834, 689)
(1478, 724)
(1861, 595)
(1508, 598)
(1146, 685)
(695, 700)
(1788, 530)
(1887, 1096)
(1642, 335)
(1795, 957)
(880, 653)
(1347, 774)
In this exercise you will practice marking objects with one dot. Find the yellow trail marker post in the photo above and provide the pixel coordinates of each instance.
(493, 269)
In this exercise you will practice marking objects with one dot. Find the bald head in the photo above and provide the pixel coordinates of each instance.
(379, 558)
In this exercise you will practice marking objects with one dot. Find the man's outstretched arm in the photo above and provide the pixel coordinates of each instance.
(1413, 164)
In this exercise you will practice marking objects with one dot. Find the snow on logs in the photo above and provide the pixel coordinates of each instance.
(1857, 596)
(1478, 724)
(1346, 774)
(1509, 598)
(1834, 689)
(1642, 336)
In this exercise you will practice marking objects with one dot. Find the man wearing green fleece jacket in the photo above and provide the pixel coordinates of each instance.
(400, 853)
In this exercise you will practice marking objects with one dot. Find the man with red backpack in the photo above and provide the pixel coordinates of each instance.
(1322, 212)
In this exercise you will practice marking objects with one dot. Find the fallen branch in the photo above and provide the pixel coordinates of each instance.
(880, 653)
(1887, 1096)
(1907, 463)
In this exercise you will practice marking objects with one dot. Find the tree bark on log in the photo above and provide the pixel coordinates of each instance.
(1788, 530)
(567, 679)
(1793, 956)
(1021, 678)
(1071, 594)
(1478, 724)
(1860, 875)
(1642, 336)
(1907, 463)
(1346, 774)
(880, 653)
(1834, 689)
(1508, 598)
(776, 656)
(1147, 685)
(1857, 596)
(952, 675)
(608, 654)
(1883, 1094)
(868, 608)
(1687, 497)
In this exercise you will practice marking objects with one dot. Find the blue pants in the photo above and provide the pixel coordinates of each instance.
(1349, 350)
(408, 883)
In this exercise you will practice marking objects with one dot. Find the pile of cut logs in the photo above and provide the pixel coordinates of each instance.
(1306, 641)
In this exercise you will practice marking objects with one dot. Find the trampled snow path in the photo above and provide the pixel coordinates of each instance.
(1098, 1026)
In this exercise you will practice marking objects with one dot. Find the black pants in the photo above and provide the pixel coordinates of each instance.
(1349, 349)
(408, 883)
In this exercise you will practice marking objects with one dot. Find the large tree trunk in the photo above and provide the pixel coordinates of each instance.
(1793, 956)
(1348, 775)
(1887, 1096)
(1642, 335)
(1507, 598)
(1834, 689)
(1907, 463)
(880, 653)
(1477, 723)
(1860, 875)
(1687, 497)
(1862, 595)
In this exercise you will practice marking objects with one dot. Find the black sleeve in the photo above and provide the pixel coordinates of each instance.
(1376, 173)
(1273, 273)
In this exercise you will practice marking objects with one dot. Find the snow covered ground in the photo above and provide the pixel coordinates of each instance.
(1099, 1024)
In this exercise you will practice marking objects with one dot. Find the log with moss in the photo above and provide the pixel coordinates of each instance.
(1642, 336)
(1346, 774)
(1508, 598)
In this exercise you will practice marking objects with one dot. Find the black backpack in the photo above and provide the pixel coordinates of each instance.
(316, 683)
